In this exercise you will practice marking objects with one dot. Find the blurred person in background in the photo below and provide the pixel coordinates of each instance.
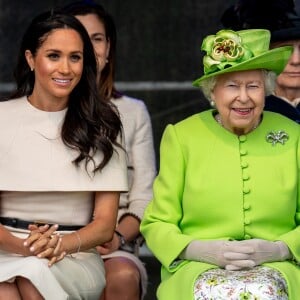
(126, 275)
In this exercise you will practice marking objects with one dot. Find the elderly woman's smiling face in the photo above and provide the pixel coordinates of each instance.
(239, 98)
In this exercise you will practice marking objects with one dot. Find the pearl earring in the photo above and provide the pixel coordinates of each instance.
(212, 103)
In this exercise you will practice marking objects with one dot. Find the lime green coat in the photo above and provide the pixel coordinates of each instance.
(213, 184)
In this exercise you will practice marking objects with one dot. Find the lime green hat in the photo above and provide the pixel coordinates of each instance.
(231, 51)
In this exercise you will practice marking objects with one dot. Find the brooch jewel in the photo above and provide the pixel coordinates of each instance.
(277, 137)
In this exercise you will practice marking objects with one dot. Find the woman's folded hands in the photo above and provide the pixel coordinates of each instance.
(45, 242)
(236, 255)
(263, 251)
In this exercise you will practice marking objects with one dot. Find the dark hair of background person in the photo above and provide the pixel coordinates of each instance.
(91, 123)
(269, 14)
(85, 7)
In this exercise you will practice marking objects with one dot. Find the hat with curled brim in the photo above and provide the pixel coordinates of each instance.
(231, 51)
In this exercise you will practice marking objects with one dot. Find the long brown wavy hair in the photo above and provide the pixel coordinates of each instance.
(91, 123)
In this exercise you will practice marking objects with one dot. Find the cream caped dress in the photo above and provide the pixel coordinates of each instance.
(39, 182)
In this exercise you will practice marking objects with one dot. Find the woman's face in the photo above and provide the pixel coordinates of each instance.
(239, 98)
(288, 82)
(58, 66)
(96, 31)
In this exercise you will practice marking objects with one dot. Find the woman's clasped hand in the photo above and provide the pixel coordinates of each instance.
(236, 255)
(45, 242)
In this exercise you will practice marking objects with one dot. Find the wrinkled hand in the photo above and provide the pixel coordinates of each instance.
(45, 243)
(213, 252)
(110, 246)
(262, 251)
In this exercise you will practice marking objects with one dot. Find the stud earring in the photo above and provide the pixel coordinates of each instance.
(212, 103)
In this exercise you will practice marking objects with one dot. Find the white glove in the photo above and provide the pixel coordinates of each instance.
(212, 252)
(262, 251)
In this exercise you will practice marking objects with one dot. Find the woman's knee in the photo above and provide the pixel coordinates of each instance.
(121, 271)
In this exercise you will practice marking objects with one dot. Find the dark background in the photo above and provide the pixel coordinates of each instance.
(158, 50)
(158, 57)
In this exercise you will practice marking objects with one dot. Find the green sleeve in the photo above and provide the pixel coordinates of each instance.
(160, 225)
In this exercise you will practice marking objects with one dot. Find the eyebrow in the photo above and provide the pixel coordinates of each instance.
(98, 33)
(237, 81)
(59, 51)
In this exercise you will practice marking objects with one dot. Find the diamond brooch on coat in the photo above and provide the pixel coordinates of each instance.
(275, 137)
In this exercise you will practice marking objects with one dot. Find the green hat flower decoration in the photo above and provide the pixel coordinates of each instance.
(232, 51)
(225, 49)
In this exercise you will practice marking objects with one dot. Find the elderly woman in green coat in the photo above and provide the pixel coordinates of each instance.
(224, 220)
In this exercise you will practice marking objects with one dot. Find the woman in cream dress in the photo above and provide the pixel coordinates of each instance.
(62, 166)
